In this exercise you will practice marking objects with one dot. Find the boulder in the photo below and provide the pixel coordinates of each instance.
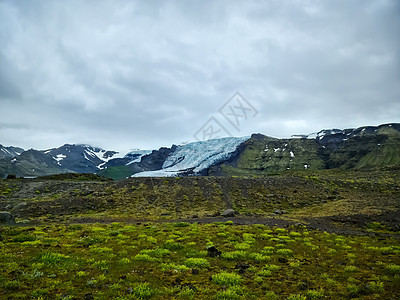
(19, 206)
(6, 218)
(228, 213)
(213, 252)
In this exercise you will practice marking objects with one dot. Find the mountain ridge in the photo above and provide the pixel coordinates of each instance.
(360, 148)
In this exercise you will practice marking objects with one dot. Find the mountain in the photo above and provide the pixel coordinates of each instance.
(370, 147)
(65, 159)
(81, 158)
(183, 160)
(30, 163)
(10, 152)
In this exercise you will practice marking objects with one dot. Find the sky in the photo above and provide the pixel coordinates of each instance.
(124, 74)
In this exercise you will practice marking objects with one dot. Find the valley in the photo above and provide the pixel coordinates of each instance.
(297, 235)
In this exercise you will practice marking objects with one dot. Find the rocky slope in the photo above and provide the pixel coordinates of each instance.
(362, 148)
(10, 152)
(65, 159)
(315, 197)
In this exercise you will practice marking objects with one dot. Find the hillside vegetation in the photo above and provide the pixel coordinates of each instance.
(194, 261)
(262, 155)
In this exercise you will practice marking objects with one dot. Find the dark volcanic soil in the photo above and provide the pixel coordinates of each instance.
(333, 202)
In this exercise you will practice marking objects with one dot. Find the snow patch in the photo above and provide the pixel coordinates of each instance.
(6, 151)
(97, 154)
(59, 157)
(141, 153)
(291, 154)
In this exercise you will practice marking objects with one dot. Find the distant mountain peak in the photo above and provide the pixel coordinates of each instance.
(10, 151)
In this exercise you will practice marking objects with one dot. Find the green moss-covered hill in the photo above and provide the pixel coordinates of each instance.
(361, 150)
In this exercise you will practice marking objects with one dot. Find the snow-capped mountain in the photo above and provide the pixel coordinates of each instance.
(342, 134)
(364, 148)
(131, 157)
(65, 159)
(81, 158)
(194, 158)
(10, 152)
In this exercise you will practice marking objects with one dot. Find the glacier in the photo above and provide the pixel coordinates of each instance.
(196, 157)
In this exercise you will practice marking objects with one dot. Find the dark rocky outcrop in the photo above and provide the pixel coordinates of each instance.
(213, 252)
(155, 160)
(6, 218)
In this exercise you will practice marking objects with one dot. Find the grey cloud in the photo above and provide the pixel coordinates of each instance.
(125, 74)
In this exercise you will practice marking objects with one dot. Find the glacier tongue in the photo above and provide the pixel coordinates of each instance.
(196, 156)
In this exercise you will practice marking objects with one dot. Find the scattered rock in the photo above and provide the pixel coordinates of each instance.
(283, 260)
(6, 218)
(88, 296)
(228, 213)
(20, 206)
(213, 252)
(15, 273)
(396, 227)
(242, 267)
(189, 286)
(86, 192)
(277, 212)
(9, 207)
(195, 271)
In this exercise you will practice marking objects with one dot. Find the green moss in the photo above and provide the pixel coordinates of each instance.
(113, 267)
(194, 262)
(226, 278)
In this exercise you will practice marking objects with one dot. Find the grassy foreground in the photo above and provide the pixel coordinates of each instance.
(175, 261)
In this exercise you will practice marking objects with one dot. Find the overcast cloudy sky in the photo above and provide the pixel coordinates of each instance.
(146, 74)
